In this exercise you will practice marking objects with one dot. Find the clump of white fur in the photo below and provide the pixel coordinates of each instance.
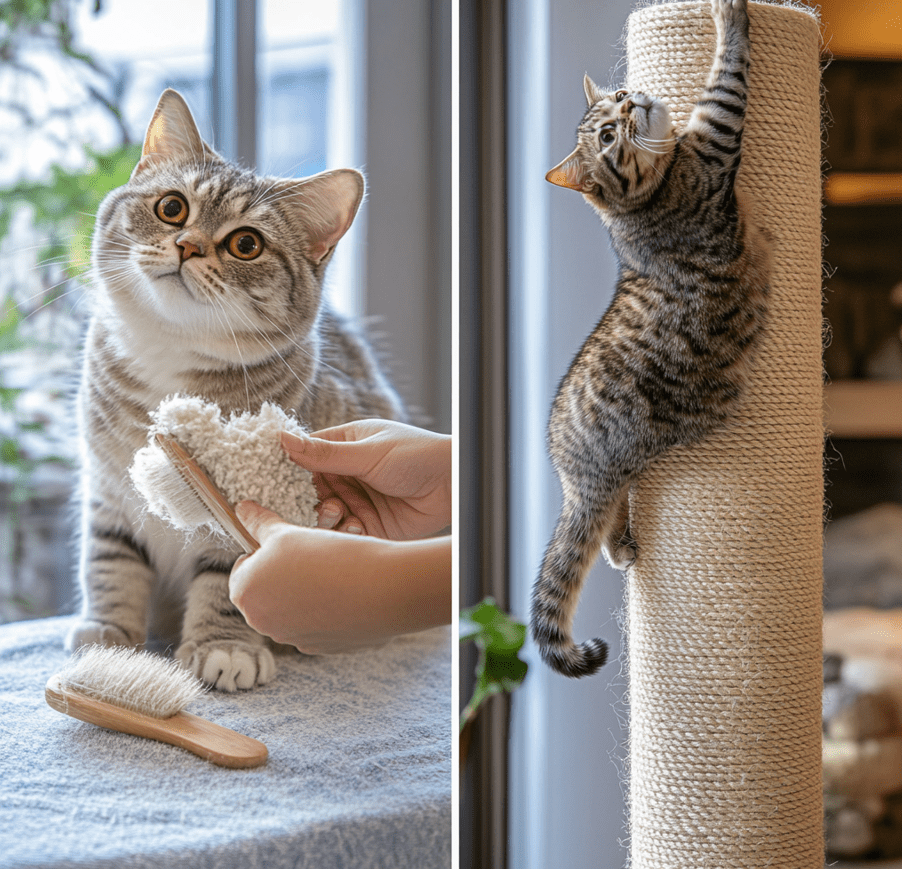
(139, 681)
(242, 456)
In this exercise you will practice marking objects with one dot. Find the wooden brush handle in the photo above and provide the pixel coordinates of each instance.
(210, 741)
(194, 476)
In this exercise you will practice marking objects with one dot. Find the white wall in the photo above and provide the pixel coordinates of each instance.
(568, 739)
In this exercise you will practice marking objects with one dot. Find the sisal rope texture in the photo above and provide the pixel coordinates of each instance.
(724, 601)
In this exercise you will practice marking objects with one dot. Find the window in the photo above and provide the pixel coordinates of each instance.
(566, 738)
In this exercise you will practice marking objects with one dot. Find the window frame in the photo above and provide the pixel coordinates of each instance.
(394, 121)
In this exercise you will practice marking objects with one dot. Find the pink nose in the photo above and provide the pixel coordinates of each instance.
(189, 248)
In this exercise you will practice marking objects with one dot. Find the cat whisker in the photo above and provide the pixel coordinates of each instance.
(282, 194)
(646, 144)
(52, 261)
(56, 298)
(224, 320)
(121, 234)
(21, 303)
(55, 240)
(293, 338)
(261, 337)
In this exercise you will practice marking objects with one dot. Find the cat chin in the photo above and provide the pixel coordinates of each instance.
(658, 120)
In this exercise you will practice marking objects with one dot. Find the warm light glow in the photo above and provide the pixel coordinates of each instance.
(863, 28)
(858, 188)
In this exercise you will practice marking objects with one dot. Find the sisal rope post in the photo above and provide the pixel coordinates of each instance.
(724, 601)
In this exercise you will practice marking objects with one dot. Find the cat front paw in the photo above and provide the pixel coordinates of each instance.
(88, 632)
(729, 12)
(227, 665)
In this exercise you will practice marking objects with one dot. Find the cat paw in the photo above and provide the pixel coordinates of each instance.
(90, 632)
(729, 11)
(621, 555)
(226, 665)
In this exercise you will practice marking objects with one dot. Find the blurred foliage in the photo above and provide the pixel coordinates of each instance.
(21, 21)
(63, 207)
(499, 639)
(62, 212)
(27, 24)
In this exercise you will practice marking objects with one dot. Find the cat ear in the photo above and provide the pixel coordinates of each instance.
(568, 173)
(325, 206)
(172, 132)
(593, 92)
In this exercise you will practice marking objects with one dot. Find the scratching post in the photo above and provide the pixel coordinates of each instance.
(725, 597)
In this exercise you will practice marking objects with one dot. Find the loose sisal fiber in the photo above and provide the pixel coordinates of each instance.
(724, 607)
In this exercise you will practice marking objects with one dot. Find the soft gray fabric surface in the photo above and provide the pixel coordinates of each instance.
(359, 770)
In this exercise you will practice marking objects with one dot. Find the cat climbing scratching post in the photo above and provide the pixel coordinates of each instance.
(725, 598)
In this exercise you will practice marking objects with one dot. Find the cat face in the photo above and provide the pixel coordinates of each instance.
(201, 244)
(624, 142)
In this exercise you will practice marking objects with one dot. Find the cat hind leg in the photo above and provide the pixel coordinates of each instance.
(617, 543)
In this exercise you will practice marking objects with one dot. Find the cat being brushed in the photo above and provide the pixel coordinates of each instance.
(669, 359)
(207, 281)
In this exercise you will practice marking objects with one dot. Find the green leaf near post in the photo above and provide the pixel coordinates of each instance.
(499, 639)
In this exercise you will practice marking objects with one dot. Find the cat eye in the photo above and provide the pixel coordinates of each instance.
(620, 95)
(246, 244)
(172, 208)
(607, 135)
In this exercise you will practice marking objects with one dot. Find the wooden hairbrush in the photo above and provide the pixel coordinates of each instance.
(144, 694)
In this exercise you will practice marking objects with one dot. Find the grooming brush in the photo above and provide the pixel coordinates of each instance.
(203, 487)
(145, 695)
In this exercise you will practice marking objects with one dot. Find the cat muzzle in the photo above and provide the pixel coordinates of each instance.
(189, 248)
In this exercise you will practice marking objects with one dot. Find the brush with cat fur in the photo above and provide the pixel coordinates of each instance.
(189, 474)
(144, 694)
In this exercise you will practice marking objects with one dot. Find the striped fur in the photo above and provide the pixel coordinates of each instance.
(668, 360)
(173, 311)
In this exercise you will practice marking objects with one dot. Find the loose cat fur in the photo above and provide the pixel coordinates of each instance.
(668, 360)
(184, 301)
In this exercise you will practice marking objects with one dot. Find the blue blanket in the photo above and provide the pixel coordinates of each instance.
(359, 769)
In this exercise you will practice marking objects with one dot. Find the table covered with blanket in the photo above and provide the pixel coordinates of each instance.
(359, 769)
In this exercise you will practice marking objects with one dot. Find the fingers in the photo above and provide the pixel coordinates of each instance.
(351, 458)
(330, 512)
(357, 502)
(259, 521)
(334, 516)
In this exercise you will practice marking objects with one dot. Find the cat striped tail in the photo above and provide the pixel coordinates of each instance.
(571, 552)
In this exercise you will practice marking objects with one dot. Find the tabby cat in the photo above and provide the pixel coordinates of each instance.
(206, 280)
(668, 360)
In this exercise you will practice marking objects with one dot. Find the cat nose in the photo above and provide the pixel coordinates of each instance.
(189, 248)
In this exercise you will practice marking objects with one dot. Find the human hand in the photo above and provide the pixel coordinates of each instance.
(389, 479)
(325, 592)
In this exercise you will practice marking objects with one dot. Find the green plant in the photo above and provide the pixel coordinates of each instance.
(62, 211)
(63, 207)
(499, 667)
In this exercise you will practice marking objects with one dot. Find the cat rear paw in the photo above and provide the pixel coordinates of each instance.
(227, 665)
(622, 554)
(89, 632)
